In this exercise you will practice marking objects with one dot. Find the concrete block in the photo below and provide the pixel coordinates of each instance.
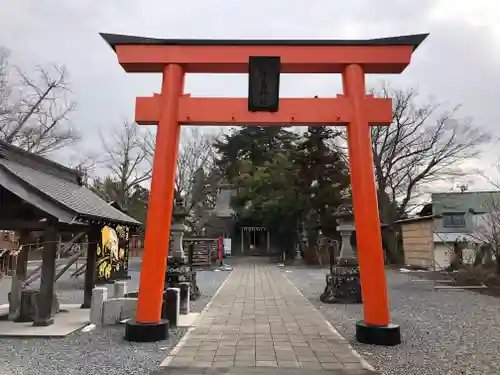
(129, 308)
(117, 309)
(119, 289)
(171, 308)
(99, 295)
(185, 297)
(111, 311)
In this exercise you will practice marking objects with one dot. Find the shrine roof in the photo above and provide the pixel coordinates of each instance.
(54, 188)
(406, 40)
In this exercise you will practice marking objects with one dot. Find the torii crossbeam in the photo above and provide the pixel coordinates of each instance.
(171, 109)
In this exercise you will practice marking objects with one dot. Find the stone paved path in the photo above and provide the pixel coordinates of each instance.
(259, 319)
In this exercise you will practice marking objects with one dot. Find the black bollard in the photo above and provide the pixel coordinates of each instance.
(184, 297)
(171, 306)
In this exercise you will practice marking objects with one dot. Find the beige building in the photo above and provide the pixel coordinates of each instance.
(456, 217)
(424, 247)
(418, 241)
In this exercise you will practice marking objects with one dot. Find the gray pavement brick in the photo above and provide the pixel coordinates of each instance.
(310, 364)
(266, 364)
(333, 366)
(259, 319)
(244, 363)
(222, 364)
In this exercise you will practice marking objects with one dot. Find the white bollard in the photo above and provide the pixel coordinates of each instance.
(99, 295)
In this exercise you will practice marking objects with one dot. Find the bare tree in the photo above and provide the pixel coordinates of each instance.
(424, 143)
(193, 174)
(126, 158)
(487, 231)
(86, 165)
(5, 88)
(34, 110)
(195, 153)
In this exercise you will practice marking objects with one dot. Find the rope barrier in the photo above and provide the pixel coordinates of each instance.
(9, 254)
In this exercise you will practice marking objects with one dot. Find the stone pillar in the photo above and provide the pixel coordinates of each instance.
(343, 283)
(94, 237)
(268, 242)
(298, 255)
(190, 255)
(99, 295)
(45, 298)
(195, 290)
(242, 240)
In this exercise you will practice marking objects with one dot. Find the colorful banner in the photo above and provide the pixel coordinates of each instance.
(113, 253)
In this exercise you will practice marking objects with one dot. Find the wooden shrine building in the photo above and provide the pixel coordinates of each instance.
(39, 195)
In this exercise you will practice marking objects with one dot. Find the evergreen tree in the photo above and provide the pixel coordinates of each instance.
(323, 178)
(252, 143)
(284, 178)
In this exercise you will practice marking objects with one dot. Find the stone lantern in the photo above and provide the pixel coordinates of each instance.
(222, 217)
(223, 209)
(343, 283)
(179, 215)
(179, 272)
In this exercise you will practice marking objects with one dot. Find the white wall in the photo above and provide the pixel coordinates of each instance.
(442, 255)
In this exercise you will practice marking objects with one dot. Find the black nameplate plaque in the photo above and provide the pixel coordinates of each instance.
(263, 83)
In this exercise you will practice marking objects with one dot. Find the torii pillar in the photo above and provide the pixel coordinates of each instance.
(172, 108)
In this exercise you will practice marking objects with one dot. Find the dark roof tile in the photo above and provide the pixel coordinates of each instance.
(411, 40)
(67, 193)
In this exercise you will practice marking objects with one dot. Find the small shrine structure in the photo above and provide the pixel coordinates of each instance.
(39, 195)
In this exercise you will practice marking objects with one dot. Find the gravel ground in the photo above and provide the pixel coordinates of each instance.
(101, 351)
(444, 332)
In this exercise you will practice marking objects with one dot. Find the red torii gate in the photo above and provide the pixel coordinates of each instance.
(354, 109)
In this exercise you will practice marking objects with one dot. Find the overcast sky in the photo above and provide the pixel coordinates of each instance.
(458, 64)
